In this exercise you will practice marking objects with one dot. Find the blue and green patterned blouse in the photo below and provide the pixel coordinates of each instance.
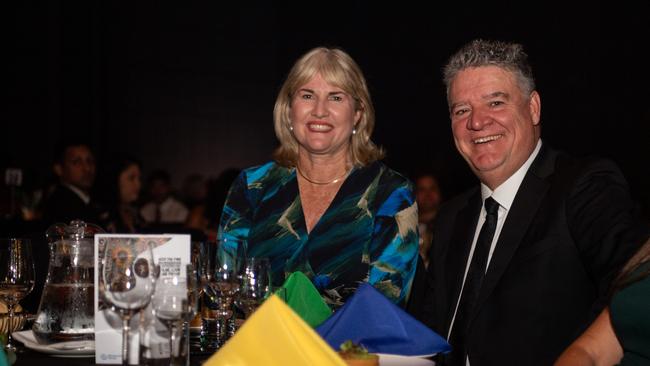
(368, 233)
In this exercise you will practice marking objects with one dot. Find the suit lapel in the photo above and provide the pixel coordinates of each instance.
(524, 208)
(461, 239)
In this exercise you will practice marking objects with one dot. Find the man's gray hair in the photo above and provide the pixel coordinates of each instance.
(479, 52)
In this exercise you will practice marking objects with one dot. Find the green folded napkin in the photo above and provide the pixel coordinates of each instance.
(303, 298)
(3, 358)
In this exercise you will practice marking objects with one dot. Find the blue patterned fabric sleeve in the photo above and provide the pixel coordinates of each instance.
(394, 246)
(236, 217)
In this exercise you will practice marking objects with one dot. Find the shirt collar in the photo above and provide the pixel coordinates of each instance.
(505, 193)
(84, 197)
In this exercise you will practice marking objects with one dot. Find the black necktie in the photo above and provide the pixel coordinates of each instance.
(473, 282)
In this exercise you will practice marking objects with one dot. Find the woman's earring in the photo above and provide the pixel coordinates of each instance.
(290, 128)
(354, 131)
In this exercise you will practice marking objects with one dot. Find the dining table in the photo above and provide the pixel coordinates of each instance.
(29, 357)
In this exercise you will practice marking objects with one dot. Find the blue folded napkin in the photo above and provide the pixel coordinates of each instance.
(370, 319)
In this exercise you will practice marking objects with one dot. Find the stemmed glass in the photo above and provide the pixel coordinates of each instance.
(174, 303)
(203, 263)
(255, 285)
(220, 287)
(16, 277)
(129, 275)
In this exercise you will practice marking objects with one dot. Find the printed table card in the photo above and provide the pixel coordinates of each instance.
(171, 254)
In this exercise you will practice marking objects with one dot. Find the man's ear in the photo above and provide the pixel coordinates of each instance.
(58, 169)
(535, 106)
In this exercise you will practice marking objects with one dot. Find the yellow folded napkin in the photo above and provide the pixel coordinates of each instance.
(275, 335)
(303, 297)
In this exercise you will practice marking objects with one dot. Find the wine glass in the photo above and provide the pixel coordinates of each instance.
(128, 274)
(255, 285)
(203, 253)
(174, 303)
(16, 277)
(220, 288)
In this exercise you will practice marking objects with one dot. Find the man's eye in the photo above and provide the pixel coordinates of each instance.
(496, 103)
(460, 111)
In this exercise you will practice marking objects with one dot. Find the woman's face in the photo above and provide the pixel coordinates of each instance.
(129, 183)
(323, 117)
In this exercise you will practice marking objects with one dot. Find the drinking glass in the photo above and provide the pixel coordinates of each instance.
(203, 265)
(128, 274)
(174, 303)
(255, 285)
(221, 285)
(16, 277)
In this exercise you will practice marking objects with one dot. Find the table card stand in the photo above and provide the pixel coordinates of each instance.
(172, 253)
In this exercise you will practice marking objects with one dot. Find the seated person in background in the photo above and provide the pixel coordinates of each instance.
(120, 179)
(205, 216)
(428, 197)
(70, 200)
(194, 190)
(327, 206)
(162, 207)
(621, 334)
(520, 264)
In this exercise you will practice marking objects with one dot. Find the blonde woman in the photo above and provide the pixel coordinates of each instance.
(326, 205)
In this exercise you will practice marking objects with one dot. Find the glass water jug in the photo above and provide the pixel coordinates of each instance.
(66, 310)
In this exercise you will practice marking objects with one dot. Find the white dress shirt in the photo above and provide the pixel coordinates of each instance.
(172, 211)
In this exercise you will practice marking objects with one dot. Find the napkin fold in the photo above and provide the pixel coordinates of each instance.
(3, 358)
(303, 297)
(369, 318)
(275, 335)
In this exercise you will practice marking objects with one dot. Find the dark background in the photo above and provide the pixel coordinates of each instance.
(190, 86)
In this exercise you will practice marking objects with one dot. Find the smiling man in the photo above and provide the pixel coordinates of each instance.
(522, 263)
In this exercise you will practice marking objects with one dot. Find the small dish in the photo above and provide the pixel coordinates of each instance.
(399, 360)
(62, 349)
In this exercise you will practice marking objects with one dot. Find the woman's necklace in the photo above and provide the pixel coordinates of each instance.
(335, 180)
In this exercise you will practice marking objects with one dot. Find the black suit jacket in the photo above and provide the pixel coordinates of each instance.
(569, 230)
(63, 205)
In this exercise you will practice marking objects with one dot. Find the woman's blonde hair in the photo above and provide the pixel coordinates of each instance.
(337, 68)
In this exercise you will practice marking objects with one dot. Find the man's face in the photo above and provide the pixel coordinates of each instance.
(159, 190)
(427, 193)
(495, 126)
(77, 167)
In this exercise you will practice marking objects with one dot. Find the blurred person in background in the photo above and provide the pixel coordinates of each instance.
(163, 207)
(194, 190)
(428, 197)
(327, 206)
(120, 183)
(71, 198)
(205, 216)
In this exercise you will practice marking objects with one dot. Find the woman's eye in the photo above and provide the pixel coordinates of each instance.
(336, 98)
(306, 96)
